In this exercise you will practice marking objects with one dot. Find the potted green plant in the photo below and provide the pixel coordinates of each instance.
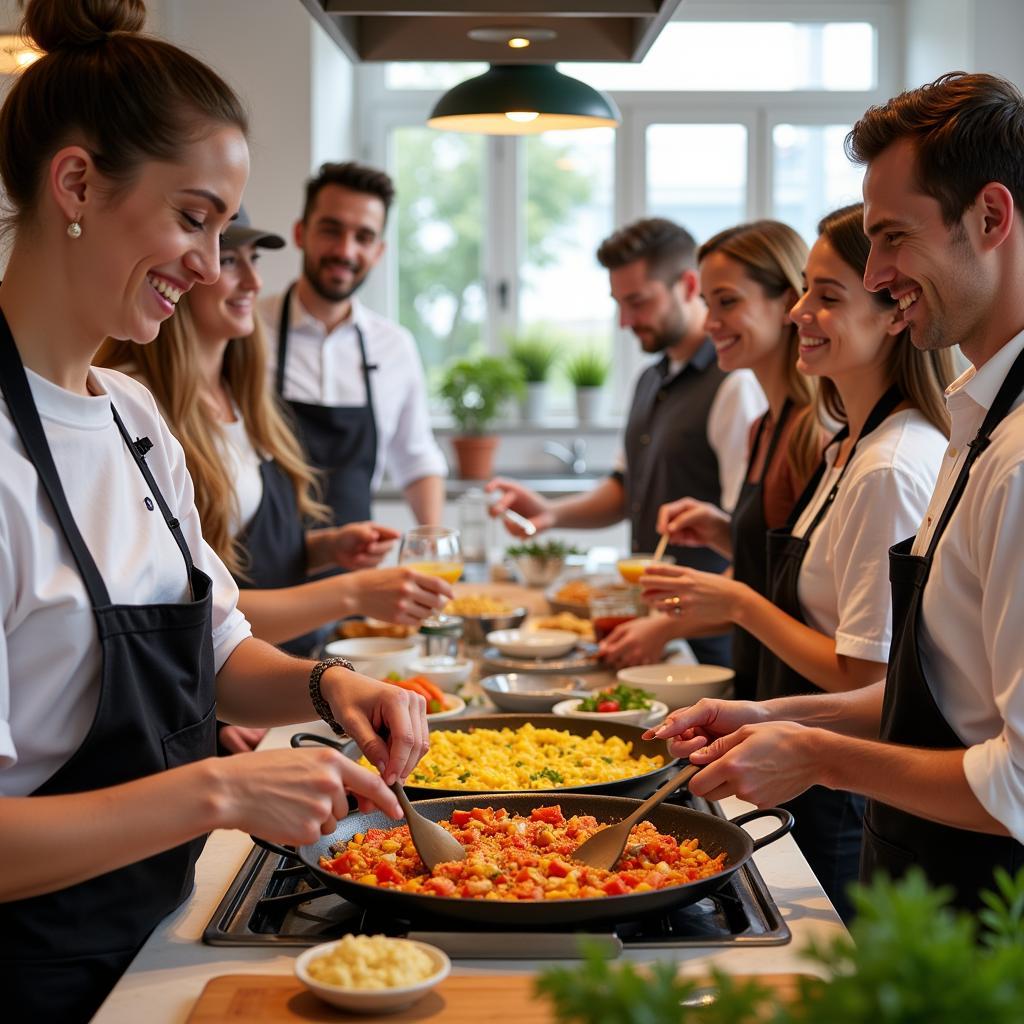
(535, 354)
(474, 390)
(587, 371)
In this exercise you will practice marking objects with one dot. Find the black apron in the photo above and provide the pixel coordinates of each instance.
(275, 543)
(894, 839)
(749, 531)
(828, 821)
(339, 440)
(60, 954)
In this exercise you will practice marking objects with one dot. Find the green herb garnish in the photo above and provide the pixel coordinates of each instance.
(628, 698)
(542, 550)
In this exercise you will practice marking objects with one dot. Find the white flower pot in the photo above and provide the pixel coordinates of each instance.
(533, 402)
(589, 405)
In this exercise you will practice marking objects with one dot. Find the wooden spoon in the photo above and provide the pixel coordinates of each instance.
(659, 551)
(603, 849)
(434, 844)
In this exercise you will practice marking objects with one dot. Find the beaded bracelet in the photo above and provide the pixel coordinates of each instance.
(320, 706)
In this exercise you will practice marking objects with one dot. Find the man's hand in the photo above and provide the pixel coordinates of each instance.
(692, 728)
(639, 642)
(530, 504)
(765, 765)
(356, 545)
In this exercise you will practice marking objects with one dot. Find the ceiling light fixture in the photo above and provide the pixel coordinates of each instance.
(517, 37)
(522, 99)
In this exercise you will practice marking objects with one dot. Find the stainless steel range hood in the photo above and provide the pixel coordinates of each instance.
(584, 30)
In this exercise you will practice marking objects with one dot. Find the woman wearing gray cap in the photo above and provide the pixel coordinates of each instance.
(254, 491)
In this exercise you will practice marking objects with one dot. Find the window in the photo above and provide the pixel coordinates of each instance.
(738, 112)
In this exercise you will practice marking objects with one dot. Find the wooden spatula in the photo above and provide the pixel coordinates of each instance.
(434, 844)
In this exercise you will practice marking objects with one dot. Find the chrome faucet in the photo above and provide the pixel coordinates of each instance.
(573, 458)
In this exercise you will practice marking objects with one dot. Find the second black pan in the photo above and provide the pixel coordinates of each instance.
(636, 785)
(715, 834)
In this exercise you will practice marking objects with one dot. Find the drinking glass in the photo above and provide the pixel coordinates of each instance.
(433, 551)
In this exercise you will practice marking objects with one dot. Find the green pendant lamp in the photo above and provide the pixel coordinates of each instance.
(522, 99)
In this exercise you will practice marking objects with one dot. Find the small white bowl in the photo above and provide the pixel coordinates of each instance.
(638, 716)
(445, 673)
(679, 686)
(453, 707)
(359, 1000)
(535, 643)
(374, 656)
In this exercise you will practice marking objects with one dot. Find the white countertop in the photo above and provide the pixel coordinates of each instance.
(169, 973)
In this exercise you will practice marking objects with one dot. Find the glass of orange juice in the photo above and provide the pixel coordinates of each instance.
(433, 551)
(632, 567)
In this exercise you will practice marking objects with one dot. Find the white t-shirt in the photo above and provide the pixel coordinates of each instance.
(325, 369)
(242, 464)
(844, 580)
(972, 625)
(49, 652)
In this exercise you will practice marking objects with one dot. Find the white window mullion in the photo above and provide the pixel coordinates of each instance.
(502, 239)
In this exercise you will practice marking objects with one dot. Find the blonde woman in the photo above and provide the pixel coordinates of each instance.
(751, 276)
(825, 622)
(254, 491)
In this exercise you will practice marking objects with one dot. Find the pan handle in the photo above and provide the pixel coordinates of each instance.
(284, 851)
(304, 739)
(786, 819)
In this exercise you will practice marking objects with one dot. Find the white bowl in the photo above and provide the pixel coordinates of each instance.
(522, 692)
(534, 643)
(374, 656)
(453, 707)
(679, 685)
(371, 1000)
(638, 716)
(445, 673)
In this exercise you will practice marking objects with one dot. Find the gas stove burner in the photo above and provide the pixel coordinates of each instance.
(274, 902)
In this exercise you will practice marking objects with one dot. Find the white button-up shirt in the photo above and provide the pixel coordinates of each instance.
(972, 630)
(324, 368)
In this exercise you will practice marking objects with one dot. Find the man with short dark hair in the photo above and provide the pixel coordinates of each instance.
(939, 748)
(353, 380)
(687, 430)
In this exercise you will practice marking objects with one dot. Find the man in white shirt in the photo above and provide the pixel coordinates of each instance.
(353, 380)
(943, 193)
(687, 431)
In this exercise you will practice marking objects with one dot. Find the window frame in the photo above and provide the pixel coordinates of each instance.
(381, 110)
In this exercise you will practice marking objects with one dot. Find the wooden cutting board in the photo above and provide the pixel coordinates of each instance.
(462, 999)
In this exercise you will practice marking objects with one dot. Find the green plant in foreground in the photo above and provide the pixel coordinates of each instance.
(588, 369)
(474, 389)
(535, 355)
(910, 959)
(542, 550)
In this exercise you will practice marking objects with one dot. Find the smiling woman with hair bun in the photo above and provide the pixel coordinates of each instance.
(123, 160)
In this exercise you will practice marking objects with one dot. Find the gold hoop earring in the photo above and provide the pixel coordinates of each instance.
(74, 229)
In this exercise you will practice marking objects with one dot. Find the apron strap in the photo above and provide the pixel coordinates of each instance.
(282, 340)
(1007, 394)
(367, 367)
(22, 407)
(787, 408)
(882, 408)
(172, 523)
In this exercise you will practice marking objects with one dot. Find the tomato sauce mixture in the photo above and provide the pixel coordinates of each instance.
(521, 858)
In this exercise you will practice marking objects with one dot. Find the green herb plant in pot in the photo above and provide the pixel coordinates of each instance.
(587, 371)
(474, 390)
(540, 562)
(535, 353)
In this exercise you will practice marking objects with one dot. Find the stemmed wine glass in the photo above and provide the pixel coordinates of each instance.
(433, 551)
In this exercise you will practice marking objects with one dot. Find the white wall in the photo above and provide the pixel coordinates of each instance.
(297, 86)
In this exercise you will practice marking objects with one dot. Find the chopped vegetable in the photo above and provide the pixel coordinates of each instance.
(542, 550)
(618, 698)
(421, 685)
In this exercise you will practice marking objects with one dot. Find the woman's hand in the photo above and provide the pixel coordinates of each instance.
(295, 796)
(522, 500)
(764, 764)
(388, 723)
(239, 739)
(705, 602)
(690, 729)
(696, 524)
(353, 546)
(397, 594)
(639, 642)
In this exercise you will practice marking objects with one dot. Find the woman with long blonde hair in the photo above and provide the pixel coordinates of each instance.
(750, 278)
(825, 622)
(254, 491)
